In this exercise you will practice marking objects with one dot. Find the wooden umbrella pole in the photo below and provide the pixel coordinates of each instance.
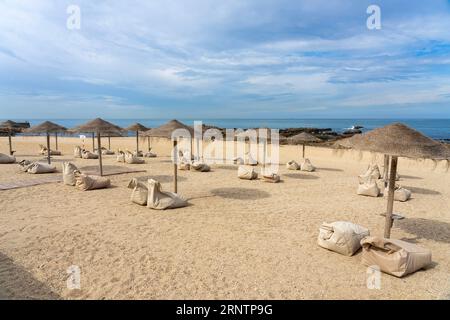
(386, 170)
(303, 151)
(137, 143)
(109, 142)
(390, 204)
(10, 144)
(99, 146)
(264, 155)
(56, 140)
(93, 142)
(148, 144)
(175, 167)
(48, 148)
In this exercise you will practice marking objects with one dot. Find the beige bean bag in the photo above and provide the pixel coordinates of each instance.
(292, 165)
(40, 168)
(150, 155)
(200, 167)
(369, 189)
(68, 171)
(107, 152)
(5, 159)
(139, 194)
(77, 152)
(88, 155)
(400, 194)
(395, 257)
(307, 166)
(85, 182)
(24, 164)
(121, 157)
(247, 173)
(238, 160)
(372, 172)
(160, 200)
(184, 166)
(271, 177)
(132, 159)
(43, 151)
(342, 237)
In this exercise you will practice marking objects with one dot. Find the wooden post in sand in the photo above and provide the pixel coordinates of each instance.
(390, 204)
(175, 167)
(48, 148)
(386, 170)
(93, 142)
(99, 146)
(303, 156)
(137, 143)
(10, 143)
(109, 142)
(56, 141)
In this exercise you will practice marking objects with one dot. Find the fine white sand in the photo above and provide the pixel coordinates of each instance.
(238, 239)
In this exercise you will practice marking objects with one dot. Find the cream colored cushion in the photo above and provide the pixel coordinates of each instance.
(342, 237)
(396, 257)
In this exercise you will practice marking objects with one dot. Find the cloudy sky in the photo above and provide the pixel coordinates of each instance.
(224, 59)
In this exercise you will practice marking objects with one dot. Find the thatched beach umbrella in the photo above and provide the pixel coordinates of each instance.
(137, 127)
(165, 131)
(397, 140)
(303, 138)
(99, 126)
(11, 128)
(47, 127)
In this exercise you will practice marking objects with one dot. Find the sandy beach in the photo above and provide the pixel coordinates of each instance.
(236, 240)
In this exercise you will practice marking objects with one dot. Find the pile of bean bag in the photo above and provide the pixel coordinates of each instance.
(368, 188)
(307, 166)
(342, 237)
(396, 257)
(400, 194)
(5, 159)
(292, 165)
(43, 151)
(87, 182)
(200, 167)
(68, 171)
(36, 167)
(247, 173)
(161, 200)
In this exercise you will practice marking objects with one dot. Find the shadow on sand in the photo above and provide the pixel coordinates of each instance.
(426, 229)
(17, 283)
(422, 190)
(161, 178)
(300, 176)
(240, 193)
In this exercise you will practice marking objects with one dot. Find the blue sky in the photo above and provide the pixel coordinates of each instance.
(224, 59)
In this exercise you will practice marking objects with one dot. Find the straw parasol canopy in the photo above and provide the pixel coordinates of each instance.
(47, 127)
(304, 138)
(165, 131)
(11, 127)
(99, 126)
(137, 127)
(397, 140)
